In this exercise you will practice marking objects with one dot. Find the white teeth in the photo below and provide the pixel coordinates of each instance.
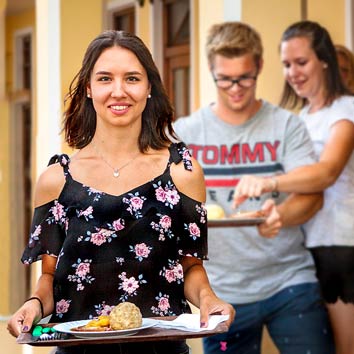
(119, 108)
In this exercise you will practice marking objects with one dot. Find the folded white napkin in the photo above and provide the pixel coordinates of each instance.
(191, 322)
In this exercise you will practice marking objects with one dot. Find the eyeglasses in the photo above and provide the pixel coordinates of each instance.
(244, 82)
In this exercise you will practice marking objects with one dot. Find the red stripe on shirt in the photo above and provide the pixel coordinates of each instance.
(221, 182)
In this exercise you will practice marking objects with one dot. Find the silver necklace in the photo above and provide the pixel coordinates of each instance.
(116, 170)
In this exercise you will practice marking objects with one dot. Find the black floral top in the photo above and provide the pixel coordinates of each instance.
(112, 249)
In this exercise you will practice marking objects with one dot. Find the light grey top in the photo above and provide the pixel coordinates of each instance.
(334, 223)
(245, 267)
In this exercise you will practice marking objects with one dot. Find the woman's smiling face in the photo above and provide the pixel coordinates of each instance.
(301, 67)
(119, 87)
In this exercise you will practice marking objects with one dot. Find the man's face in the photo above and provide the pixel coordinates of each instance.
(241, 96)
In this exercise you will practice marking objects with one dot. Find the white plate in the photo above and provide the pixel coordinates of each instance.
(66, 327)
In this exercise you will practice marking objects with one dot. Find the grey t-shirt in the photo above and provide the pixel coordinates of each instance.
(244, 267)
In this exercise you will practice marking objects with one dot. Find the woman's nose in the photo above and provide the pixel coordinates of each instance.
(117, 89)
(292, 71)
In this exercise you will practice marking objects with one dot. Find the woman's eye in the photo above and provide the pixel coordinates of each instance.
(132, 79)
(104, 78)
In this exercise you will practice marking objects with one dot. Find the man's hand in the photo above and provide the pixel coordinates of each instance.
(251, 187)
(272, 225)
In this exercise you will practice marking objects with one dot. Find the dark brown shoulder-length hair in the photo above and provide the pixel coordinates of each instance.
(323, 47)
(79, 122)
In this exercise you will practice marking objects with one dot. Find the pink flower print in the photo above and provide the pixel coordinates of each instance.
(103, 309)
(82, 269)
(82, 274)
(62, 307)
(58, 211)
(120, 260)
(223, 346)
(87, 213)
(186, 157)
(178, 271)
(64, 161)
(118, 224)
(194, 230)
(142, 251)
(163, 307)
(164, 304)
(106, 310)
(163, 227)
(129, 285)
(202, 211)
(172, 196)
(35, 234)
(165, 222)
(173, 273)
(98, 238)
(170, 275)
(160, 194)
(137, 203)
(101, 236)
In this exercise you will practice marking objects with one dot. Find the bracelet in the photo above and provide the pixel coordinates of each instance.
(274, 184)
(40, 303)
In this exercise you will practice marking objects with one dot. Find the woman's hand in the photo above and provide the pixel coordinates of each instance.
(24, 318)
(272, 225)
(212, 305)
(251, 186)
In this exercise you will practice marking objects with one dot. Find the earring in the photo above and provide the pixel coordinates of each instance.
(325, 65)
(149, 96)
(88, 95)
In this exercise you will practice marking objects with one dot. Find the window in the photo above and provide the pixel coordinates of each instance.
(124, 20)
(176, 25)
(20, 155)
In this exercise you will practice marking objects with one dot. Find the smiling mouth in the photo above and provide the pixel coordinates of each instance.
(119, 108)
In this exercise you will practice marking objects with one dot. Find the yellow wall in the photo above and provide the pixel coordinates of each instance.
(144, 23)
(208, 14)
(270, 18)
(13, 24)
(331, 15)
(81, 21)
(4, 209)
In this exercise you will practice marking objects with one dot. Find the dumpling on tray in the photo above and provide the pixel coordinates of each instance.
(125, 315)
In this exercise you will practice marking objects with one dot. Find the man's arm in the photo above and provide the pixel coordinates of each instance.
(295, 210)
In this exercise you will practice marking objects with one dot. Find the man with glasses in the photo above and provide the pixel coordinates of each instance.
(270, 279)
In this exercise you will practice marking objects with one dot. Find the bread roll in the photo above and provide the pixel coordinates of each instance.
(215, 211)
(126, 315)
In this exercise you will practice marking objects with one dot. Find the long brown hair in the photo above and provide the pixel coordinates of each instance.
(80, 117)
(323, 47)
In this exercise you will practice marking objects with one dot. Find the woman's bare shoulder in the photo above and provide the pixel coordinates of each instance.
(190, 182)
(49, 185)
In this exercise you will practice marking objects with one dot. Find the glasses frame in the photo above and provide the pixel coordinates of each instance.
(236, 81)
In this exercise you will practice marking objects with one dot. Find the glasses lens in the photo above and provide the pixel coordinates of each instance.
(223, 83)
(246, 82)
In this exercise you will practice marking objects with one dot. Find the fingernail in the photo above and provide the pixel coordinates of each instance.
(25, 329)
(202, 324)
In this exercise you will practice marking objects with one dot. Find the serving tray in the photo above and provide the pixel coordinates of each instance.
(235, 222)
(144, 335)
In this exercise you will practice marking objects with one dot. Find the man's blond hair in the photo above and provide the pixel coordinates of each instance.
(233, 39)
